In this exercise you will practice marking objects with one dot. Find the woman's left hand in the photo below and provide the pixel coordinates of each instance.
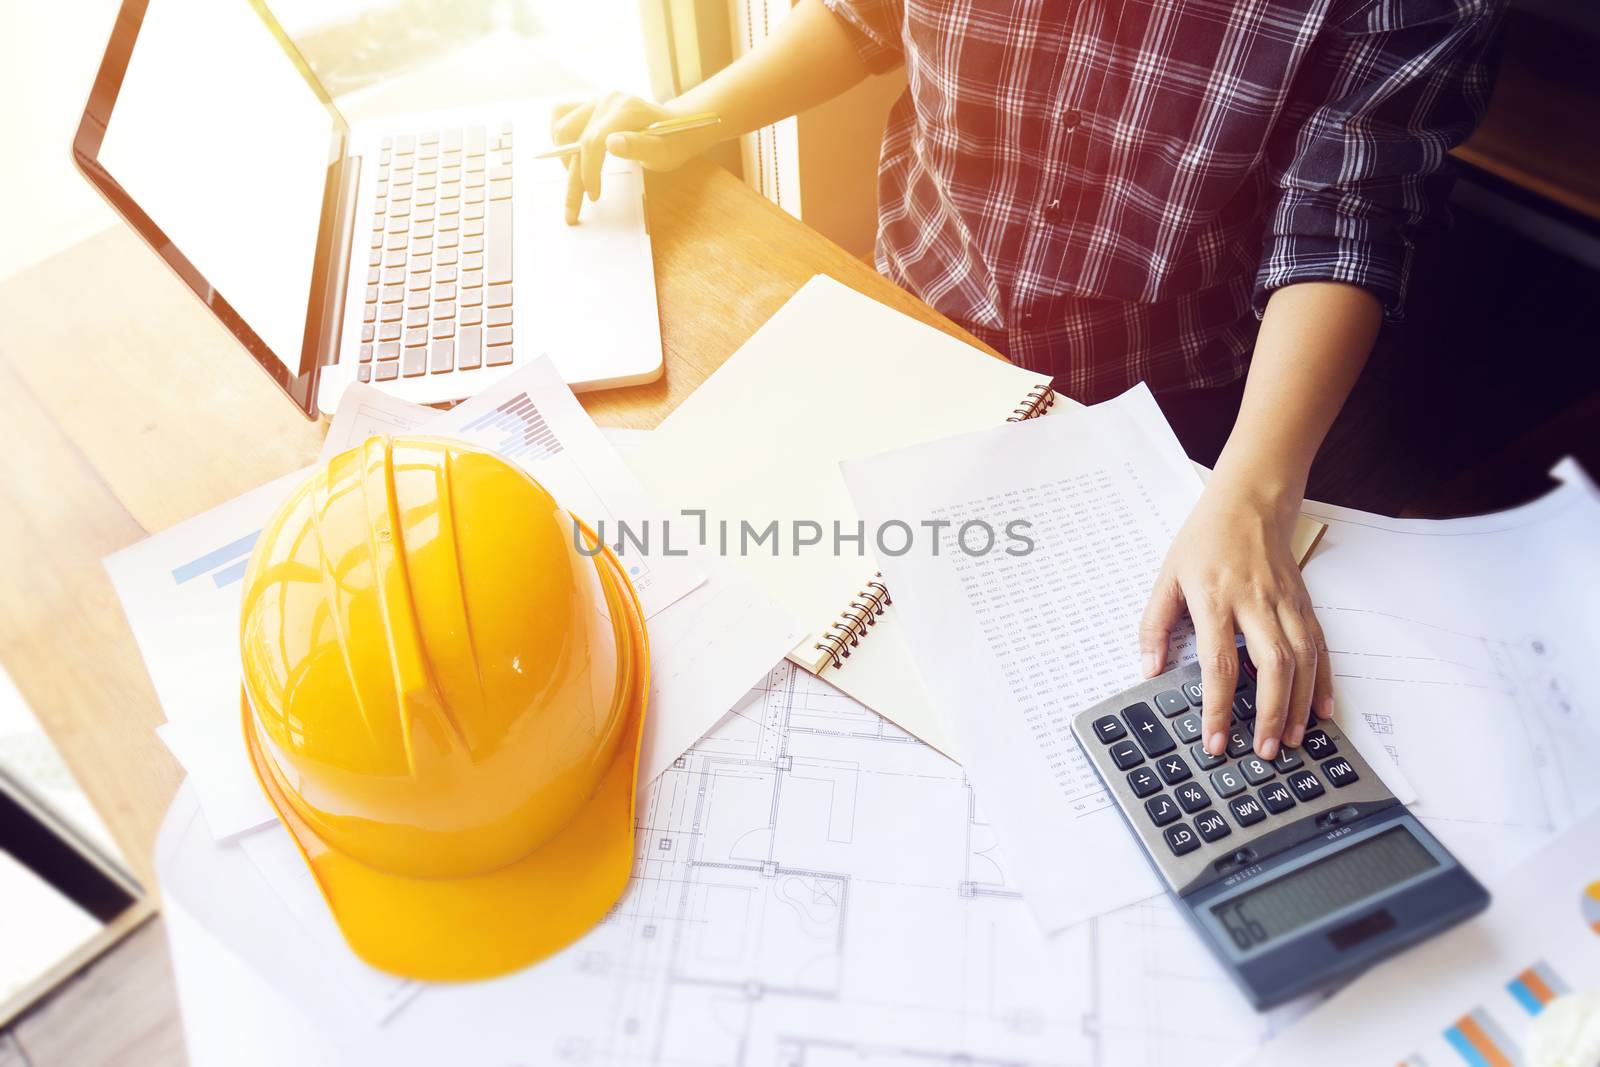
(1232, 567)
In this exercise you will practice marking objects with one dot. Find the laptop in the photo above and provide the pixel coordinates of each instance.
(425, 254)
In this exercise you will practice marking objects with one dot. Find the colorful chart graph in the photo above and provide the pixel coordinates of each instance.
(1590, 904)
(1480, 1041)
(226, 565)
(1536, 987)
(524, 433)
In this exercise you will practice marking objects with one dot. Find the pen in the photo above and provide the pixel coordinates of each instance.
(655, 129)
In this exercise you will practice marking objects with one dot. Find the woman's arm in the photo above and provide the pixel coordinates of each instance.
(1386, 92)
(809, 60)
(1231, 564)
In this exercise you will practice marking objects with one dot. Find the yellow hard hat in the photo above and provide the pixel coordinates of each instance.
(443, 699)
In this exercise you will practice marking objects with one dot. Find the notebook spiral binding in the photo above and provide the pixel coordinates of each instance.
(846, 632)
(853, 623)
(1039, 400)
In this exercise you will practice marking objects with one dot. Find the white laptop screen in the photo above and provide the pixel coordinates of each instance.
(222, 142)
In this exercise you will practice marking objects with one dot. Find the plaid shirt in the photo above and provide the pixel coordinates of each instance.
(1107, 189)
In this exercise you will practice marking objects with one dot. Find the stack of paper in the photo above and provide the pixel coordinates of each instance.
(1015, 640)
(1458, 647)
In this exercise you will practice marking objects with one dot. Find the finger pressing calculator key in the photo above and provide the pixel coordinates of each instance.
(1298, 871)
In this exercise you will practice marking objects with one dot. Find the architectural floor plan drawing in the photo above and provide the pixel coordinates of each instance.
(1463, 644)
(1482, 694)
(816, 889)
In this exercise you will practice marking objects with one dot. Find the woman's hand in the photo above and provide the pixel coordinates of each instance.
(612, 124)
(808, 59)
(1231, 566)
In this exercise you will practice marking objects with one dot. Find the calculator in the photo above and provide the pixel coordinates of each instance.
(1298, 872)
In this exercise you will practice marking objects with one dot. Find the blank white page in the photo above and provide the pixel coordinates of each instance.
(834, 375)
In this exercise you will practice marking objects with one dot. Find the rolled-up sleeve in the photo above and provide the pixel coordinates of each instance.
(1360, 161)
(874, 28)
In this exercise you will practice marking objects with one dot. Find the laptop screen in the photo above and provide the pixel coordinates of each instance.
(219, 139)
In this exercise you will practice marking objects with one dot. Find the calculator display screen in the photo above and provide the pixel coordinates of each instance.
(1310, 893)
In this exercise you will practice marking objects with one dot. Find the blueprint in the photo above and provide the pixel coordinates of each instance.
(1468, 645)
(814, 888)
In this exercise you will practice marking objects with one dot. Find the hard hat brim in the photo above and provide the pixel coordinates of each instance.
(482, 926)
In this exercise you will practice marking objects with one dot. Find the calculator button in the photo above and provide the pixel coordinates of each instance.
(1205, 760)
(1256, 770)
(1143, 782)
(1161, 810)
(1287, 759)
(1238, 742)
(1125, 754)
(1305, 785)
(1212, 825)
(1195, 694)
(1244, 707)
(1109, 728)
(1318, 745)
(1181, 839)
(1147, 730)
(1339, 772)
(1170, 702)
(1172, 768)
(1227, 781)
(1247, 810)
(1276, 797)
(1187, 728)
(1191, 797)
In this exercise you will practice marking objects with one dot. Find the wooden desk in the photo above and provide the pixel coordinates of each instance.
(126, 408)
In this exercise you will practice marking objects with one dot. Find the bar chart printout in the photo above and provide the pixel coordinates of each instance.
(1480, 1041)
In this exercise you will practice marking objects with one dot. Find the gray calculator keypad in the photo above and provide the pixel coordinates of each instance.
(1190, 808)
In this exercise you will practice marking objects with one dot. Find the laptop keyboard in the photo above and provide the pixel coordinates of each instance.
(438, 292)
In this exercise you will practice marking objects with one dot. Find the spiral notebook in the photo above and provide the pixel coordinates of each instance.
(833, 375)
